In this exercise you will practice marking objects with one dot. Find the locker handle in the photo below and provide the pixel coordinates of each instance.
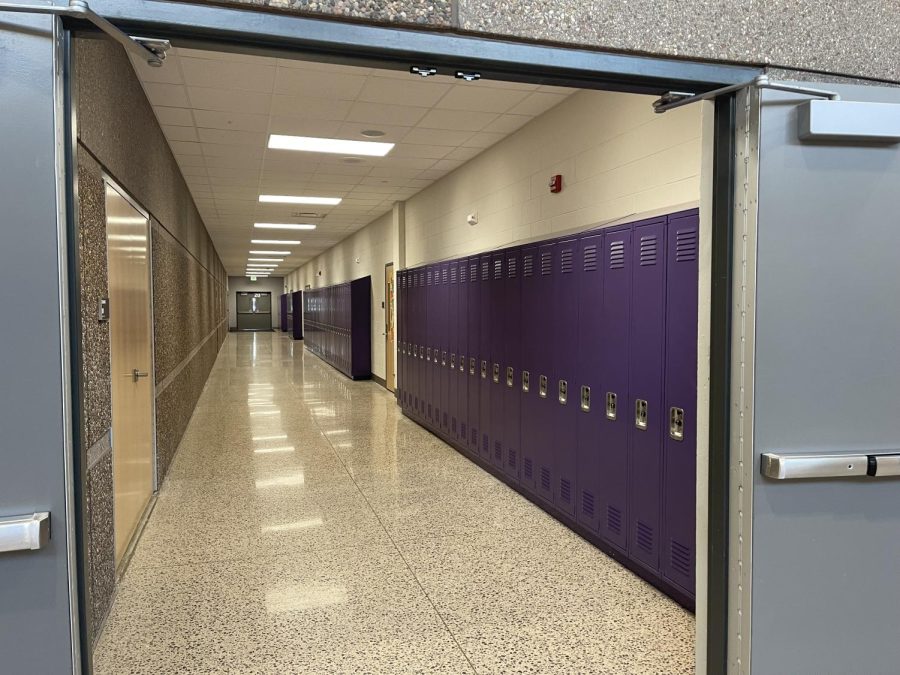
(640, 414)
(495, 373)
(510, 377)
(428, 355)
(563, 392)
(542, 386)
(526, 381)
(453, 361)
(462, 363)
(586, 398)
(443, 358)
(838, 465)
(484, 370)
(676, 423)
(611, 405)
(472, 366)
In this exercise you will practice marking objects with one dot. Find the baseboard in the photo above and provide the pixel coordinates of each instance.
(380, 381)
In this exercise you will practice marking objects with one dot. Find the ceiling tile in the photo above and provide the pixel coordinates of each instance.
(170, 73)
(223, 56)
(506, 124)
(181, 117)
(316, 84)
(190, 160)
(225, 137)
(230, 75)
(216, 119)
(185, 148)
(422, 151)
(171, 95)
(219, 150)
(478, 96)
(457, 120)
(403, 92)
(380, 113)
(484, 139)
(207, 98)
(296, 126)
(310, 107)
(180, 133)
(437, 137)
(464, 153)
(392, 132)
(537, 104)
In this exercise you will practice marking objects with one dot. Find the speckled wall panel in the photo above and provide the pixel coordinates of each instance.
(857, 38)
(101, 543)
(95, 377)
(416, 12)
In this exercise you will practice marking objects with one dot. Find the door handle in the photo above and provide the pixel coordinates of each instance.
(24, 533)
(136, 374)
(840, 465)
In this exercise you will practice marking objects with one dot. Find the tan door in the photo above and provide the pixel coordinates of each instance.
(389, 353)
(128, 257)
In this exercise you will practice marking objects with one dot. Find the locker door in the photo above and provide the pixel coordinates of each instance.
(531, 343)
(429, 337)
(462, 365)
(615, 421)
(587, 393)
(512, 357)
(680, 402)
(565, 407)
(401, 295)
(444, 345)
(486, 327)
(544, 367)
(645, 383)
(473, 387)
(420, 339)
(452, 346)
(498, 339)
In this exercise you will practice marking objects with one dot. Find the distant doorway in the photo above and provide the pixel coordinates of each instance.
(390, 360)
(254, 311)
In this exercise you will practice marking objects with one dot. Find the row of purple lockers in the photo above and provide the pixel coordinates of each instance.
(571, 366)
(337, 326)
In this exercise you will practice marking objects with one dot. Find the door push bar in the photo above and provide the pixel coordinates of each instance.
(152, 50)
(842, 465)
(24, 533)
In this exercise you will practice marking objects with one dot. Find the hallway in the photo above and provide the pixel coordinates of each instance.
(307, 526)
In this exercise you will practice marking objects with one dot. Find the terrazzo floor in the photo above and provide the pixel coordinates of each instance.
(306, 526)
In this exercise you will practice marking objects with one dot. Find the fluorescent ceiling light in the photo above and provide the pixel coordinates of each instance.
(288, 199)
(276, 242)
(270, 252)
(265, 259)
(330, 145)
(284, 226)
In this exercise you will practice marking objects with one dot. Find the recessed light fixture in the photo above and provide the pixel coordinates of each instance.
(275, 260)
(276, 242)
(329, 145)
(289, 199)
(270, 252)
(372, 133)
(255, 266)
(285, 226)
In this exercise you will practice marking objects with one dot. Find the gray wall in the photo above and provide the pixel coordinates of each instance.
(118, 135)
(849, 37)
(274, 285)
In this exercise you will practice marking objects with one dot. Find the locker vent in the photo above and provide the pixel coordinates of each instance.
(614, 519)
(648, 250)
(528, 265)
(485, 446)
(546, 264)
(645, 537)
(680, 558)
(590, 258)
(587, 503)
(429, 277)
(485, 271)
(445, 420)
(473, 273)
(565, 259)
(511, 268)
(444, 275)
(453, 425)
(616, 255)
(498, 451)
(565, 491)
(685, 245)
(498, 269)
(511, 458)
(527, 468)
(452, 275)
(474, 440)
(545, 479)
(463, 274)
(463, 432)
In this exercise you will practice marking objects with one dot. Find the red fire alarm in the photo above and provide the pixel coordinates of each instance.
(556, 183)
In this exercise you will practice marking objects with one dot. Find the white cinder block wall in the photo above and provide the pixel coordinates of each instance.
(617, 157)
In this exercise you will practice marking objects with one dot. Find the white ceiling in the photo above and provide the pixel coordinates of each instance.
(217, 110)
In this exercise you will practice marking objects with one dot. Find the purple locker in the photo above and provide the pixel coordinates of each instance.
(512, 363)
(297, 309)
(589, 395)
(401, 336)
(564, 410)
(415, 379)
(452, 347)
(546, 408)
(474, 379)
(462, 356)
(613, 397)
(498, 337)
(680, 402)
(443, 416)
(645, 384)
(486, 324)
(532, 342)
(283, 313)
(431, 273)
(423, 339)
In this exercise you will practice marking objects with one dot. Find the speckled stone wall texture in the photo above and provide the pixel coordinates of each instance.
(95, 377)
(100, 544)
(417, 12)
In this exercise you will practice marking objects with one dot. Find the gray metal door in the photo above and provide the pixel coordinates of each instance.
(824, 593)
(254, 311)
(38, 626)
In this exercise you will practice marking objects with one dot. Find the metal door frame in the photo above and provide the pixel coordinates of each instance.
(250, 31)
(237, 313)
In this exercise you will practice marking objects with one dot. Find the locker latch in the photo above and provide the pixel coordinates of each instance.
(472, 366)
(421, 352)
(416, 350)
(496, 373)
(640, 414)
(484, 370)
(676, 423)
(510, 376)
(563, 392)
(428, 355)
(526, 381)
(586, 398)
(542, 386)
(453, 361)
(436, 352)
(443, 358)
(462, 363)
(611, 405)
